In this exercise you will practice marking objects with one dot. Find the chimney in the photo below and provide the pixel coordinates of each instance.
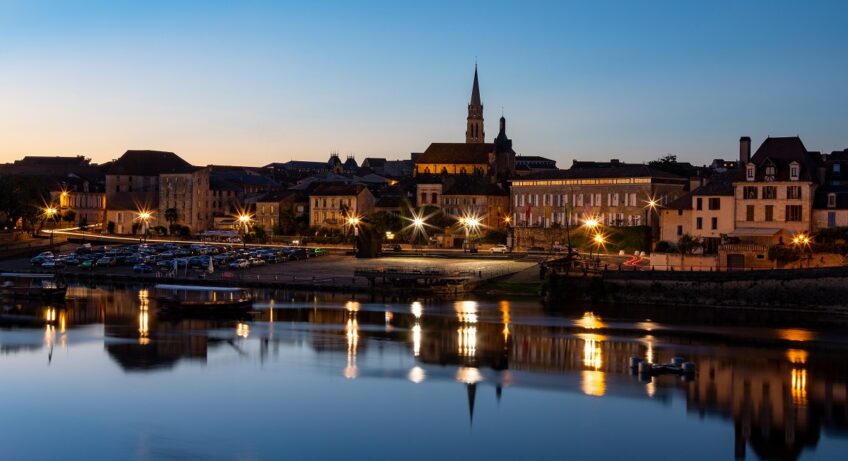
(615, 162)
(744, 150)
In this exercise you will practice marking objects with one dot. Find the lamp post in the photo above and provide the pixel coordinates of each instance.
(650, 206)
(470, 223)
(50, 213)
(418, 228)
(353, 222)
(244, 220)
(802, 242)
(144, 216)
(599, 242)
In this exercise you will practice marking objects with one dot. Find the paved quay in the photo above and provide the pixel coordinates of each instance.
(332, 272)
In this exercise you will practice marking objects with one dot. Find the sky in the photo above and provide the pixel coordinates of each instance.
(252, 82)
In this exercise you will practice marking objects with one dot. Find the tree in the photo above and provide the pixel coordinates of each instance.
(110, 227)
(83, 223)
(687, 245)
(171, 215)
(69, 216)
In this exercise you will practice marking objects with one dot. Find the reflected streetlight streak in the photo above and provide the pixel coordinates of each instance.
(352, 334)
(799, 386)
(417, 375)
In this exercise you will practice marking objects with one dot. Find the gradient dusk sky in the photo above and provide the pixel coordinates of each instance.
(246, 82)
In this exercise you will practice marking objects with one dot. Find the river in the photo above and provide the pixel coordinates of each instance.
(325, 376)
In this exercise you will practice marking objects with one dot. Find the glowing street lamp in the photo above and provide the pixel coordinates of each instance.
(244, 220)
(471, 224)
(599, 241)
(50, 213)
(353, 222)
(144, 216)
(802, 242)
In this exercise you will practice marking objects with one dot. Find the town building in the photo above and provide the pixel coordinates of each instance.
(184, 199)
(331, 204)
(488, 202)
(132, 184)
(529, 164)
(614, 193)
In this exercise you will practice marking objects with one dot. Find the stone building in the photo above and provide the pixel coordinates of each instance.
(185, 196)
(480, 199)
(331, 204)
(132, 184)
(613, 193)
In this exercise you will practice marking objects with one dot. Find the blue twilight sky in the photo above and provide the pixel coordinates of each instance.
(252, 82)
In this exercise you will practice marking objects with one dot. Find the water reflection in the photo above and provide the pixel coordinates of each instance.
(779, 395)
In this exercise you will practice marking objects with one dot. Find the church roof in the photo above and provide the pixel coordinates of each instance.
(455, 153)
(475, 91)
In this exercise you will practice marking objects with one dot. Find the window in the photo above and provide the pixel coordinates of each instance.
(714, 223)
(434, 197)
(769, 192)
(715, 203)
(794, 170)
(769, 212)
(831, 219)
(749, 213)
(749, 192)
(750, 171)
(770, 170)
(794, 212)
(699, 203)
(680, 212)
(699, 223)
(424, 198)
(831, 200)
(793, 192)
(836, 167)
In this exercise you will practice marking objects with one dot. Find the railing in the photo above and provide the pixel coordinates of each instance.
(753, 247)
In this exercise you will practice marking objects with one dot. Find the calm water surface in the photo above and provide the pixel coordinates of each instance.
(103, 376)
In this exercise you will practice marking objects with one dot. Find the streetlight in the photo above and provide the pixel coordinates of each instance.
(50, 213)
(244, 221)
(470, 223)
(599, 242)
(802, 241)
(651, 206)
(144, 216)
(353, 221)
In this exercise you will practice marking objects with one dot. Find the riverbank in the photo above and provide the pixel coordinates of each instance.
(820, 291)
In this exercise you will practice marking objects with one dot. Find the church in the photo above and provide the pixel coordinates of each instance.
(495, 160)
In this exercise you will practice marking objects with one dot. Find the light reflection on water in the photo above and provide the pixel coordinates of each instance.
(472, 379)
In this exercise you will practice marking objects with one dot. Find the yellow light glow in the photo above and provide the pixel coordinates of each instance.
(590, 321)
(352, 334)
(795, 334)
(416, 339)
(144, 215)
(417, 309)
(799, 386)
(242, 330)
(143, 324)
(599, 239)
(591, 223)
(417, 375)
(592, 357)
(593, 383)
(418, 222)
(797, 356)
(466, 311)
(352, 306)
(353, 220)
(468, 375)
(467, 341)
(504, 306)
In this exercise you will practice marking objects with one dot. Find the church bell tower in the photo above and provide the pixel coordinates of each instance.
(474, 130)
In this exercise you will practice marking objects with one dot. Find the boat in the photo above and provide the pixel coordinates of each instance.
(39, 286)
(202, 300)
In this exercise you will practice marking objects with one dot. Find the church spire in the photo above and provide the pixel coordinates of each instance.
(474, 130)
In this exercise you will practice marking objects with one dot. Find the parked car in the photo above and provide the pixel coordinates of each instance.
(536, 250)
(105, 262)
(502, 249)
(239, 264)
(142, 268)
(86, 264)
(39, 260)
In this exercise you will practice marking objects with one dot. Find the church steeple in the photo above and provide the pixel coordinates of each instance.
(474, 130)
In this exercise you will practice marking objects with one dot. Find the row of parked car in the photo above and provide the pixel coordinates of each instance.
(171, 256)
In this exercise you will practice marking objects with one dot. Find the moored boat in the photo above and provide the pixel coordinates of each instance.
(40, 286)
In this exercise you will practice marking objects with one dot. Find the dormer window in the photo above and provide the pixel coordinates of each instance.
(794, 171)
(770, 170)
(750, 172)
(831, 200)
(836, 167)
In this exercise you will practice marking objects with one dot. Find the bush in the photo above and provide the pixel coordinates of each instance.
(110, 227)
(663, 247)
(494, 236)
(782, 254)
